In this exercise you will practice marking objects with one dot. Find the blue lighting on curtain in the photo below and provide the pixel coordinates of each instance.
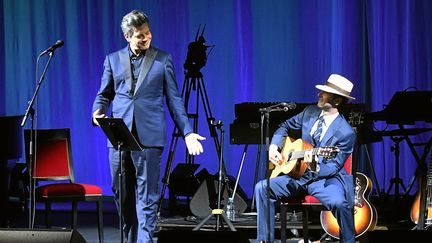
(265, 51)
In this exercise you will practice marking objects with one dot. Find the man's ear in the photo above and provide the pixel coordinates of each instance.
(126, 36)
(337, 101)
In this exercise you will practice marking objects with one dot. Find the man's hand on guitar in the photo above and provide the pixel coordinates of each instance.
(308, 156)
(311, 160)
(274, 156)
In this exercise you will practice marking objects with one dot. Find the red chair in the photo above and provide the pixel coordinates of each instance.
(53, 162)
(307, 203)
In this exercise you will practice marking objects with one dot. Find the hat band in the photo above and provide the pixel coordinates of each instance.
(337, 88)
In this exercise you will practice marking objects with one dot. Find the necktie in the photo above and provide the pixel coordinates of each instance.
(317, 134)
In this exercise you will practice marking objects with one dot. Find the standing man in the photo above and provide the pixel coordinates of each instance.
(135, 80)
(321, 125)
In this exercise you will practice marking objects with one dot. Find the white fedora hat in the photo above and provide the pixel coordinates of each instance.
(337, 84)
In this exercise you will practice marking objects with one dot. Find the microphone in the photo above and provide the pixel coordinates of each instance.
(52, 48)
(288, 106)
(216, 123)
(279, 107)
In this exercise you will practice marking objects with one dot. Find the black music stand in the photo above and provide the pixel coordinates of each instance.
(119, 135)
(396, 181)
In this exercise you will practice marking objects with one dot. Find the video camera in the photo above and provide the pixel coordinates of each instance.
(197, 55)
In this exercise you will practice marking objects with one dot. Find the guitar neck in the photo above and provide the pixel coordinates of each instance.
(294, 155)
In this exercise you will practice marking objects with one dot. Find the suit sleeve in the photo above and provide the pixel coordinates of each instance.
(106, 91)
(174, 100)
(293, 123)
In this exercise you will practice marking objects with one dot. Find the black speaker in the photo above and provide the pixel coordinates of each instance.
(205, 198)
(169, 236)
(183, 181)
(40, 236)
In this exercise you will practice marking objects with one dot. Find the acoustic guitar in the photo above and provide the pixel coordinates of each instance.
(415, 208)
(365, 214)
(293, 152)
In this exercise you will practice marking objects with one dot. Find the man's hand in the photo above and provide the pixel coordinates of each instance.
(274, 156)
(309, 158)
(193, 145)
(98, 114)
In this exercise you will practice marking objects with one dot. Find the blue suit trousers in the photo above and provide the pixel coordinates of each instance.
(330, 193)
(140, 189)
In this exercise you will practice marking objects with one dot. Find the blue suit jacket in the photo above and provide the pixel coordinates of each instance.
(339, 134)
(146, 105)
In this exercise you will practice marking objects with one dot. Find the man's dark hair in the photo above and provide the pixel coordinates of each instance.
(132, 20)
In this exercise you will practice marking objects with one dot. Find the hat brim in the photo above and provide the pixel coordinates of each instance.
(333, 91)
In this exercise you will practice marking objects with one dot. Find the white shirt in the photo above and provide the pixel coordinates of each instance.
(328, 119)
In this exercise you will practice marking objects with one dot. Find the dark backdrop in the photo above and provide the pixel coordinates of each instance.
(264, 51)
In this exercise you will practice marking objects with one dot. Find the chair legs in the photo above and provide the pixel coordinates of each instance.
(47, 214)
(99, 208)
(100, 220)
(74, 215)
(305, 224)
(283, 219)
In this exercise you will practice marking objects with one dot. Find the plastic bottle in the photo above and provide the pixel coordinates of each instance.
(230, 209)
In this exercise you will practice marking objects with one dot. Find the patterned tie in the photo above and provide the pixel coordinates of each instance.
(317, 134)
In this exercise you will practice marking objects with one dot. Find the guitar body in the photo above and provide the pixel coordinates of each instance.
(296, 167)
(415, 208)
(365, 214)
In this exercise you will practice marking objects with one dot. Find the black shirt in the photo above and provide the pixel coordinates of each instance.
(135, 62)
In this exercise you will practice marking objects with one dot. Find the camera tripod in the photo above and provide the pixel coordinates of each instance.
(193, 81)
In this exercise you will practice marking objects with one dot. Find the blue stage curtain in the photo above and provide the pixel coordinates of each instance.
(399, 40)
(264, 51)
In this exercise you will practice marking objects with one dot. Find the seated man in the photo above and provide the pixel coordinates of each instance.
(321, 125)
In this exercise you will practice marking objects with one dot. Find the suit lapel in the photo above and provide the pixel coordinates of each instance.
(145, 66)
(331, 130)
(125, 62)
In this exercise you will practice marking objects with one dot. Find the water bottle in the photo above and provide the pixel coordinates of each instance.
(230, 209)
(294, 219)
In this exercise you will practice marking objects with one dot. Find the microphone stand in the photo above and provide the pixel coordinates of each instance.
(218, 212)
(30, 111)
(266, 113)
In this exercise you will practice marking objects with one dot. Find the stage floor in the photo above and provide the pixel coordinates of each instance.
(393, 216)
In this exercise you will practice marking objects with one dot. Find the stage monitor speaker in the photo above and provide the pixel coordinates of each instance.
(169, 236)
(183, 181)
(205, 198)
(40, 236)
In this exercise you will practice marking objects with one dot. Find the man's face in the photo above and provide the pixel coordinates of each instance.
(324, 98)
(140, 39)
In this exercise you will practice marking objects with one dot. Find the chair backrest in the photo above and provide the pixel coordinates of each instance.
(52, 154)
(348, 164)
